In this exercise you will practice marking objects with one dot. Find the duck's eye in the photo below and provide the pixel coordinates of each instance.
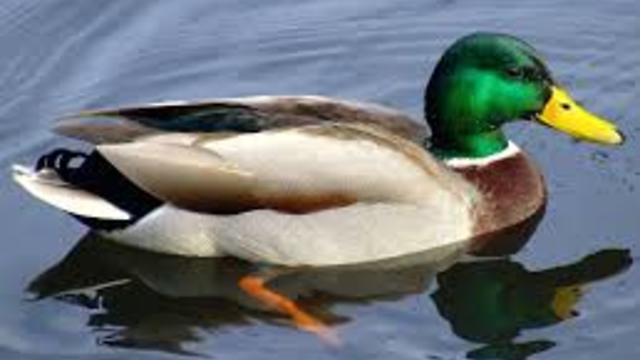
(566, 106)
(515, 72)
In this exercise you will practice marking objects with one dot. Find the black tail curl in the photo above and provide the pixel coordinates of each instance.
(60, 160)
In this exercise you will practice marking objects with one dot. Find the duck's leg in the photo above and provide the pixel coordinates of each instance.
(254, 286)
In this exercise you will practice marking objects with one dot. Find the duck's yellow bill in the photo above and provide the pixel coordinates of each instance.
(564, 301)
(561, 112)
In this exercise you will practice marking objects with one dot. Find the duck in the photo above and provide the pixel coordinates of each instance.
(317, 181)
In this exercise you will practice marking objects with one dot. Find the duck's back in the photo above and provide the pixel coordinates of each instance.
(237, 115)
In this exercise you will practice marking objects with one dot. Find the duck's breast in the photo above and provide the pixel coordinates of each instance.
(511, 187)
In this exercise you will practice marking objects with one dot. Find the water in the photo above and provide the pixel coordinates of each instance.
(65, 298)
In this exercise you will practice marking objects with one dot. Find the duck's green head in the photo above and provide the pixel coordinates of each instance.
(485, 80)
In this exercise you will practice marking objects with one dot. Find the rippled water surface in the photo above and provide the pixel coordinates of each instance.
(66, 297)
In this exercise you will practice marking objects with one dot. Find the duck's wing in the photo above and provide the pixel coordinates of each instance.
(241, 115)
(295, 170)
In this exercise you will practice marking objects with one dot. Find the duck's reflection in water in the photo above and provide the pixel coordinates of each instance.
(491, 302)
(145, 300)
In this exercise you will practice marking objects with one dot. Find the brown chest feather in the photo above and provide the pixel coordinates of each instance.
(512, 191)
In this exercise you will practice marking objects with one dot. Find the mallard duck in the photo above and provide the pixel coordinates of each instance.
(310, 180)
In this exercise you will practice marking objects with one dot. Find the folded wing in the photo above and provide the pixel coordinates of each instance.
(296, 170)
(239, 115)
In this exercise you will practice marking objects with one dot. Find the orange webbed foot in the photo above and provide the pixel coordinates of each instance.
(255, 287)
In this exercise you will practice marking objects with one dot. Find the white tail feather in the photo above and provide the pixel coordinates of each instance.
(46, 186)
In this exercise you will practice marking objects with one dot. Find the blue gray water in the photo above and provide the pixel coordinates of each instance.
(62, 56)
